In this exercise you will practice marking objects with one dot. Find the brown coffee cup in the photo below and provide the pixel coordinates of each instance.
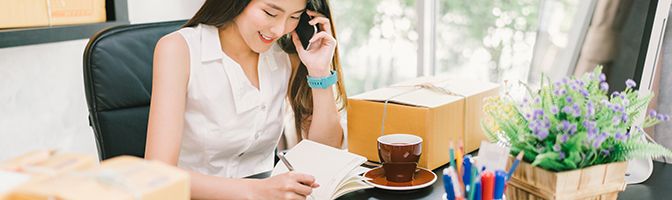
(399, 154)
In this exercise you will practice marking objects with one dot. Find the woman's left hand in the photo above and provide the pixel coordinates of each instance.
(320, 53)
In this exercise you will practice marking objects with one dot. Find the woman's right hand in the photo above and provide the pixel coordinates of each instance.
(290, 185)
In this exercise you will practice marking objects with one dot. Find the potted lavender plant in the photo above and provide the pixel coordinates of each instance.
(573, 133)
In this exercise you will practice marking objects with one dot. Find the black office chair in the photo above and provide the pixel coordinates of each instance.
(118, 85)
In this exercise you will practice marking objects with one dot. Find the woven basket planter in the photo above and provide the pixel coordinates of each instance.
(600, 182)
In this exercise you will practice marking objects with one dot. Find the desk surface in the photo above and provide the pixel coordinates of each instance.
(659, 186)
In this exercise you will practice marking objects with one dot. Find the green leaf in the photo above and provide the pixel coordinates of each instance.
(548, 160)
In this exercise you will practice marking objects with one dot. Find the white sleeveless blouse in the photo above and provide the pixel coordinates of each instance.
(231, 128)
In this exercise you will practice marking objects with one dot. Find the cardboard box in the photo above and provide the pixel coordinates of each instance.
(40, 165)
(45, 163)
(31, 13)
(438, 116)
(119, 178)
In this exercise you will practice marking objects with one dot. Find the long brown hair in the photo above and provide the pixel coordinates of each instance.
(300, 95)
(221, 12)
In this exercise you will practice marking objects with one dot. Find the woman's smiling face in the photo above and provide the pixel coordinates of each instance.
(264, 21)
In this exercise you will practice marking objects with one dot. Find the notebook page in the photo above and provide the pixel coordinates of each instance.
(328, 165)
(351, 186)
(9, 180)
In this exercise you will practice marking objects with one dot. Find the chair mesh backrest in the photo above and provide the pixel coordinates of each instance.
(118, 84)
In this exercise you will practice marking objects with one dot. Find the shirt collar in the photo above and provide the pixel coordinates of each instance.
(211, 48)
(210, 44)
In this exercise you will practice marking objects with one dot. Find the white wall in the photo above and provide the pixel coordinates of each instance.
(42, 103)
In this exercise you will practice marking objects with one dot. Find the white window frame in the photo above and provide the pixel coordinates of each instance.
(427, 11)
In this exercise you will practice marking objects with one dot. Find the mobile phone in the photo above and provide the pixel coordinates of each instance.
(304, 29)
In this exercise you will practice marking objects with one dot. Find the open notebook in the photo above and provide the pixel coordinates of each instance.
(337, 171)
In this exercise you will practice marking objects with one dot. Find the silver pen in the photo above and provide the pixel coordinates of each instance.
(284, 160)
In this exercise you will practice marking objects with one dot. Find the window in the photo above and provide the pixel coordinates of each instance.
(377, 42)
(486, 39)
(387, 41)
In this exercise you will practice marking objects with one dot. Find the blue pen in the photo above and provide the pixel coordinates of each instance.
(478, 190)
(500, 180)
(448, 185)
(466, 177)
(514, 165)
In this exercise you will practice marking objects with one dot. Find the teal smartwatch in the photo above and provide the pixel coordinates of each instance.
(322, 82)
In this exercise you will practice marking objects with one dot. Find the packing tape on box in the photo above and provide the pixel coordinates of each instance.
(114, 179)
(416, 87)
(48, 12)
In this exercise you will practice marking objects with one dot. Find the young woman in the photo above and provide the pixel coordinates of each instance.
(219, 93)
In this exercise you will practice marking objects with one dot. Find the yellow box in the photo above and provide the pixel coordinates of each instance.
(31, 13)
(40, 165)
(122, 178)
(48, 163)
(450, 111)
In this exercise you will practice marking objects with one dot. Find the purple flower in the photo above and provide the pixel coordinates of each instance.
(617, 108)
(572, 129)
(590, 109)
(627, 135)
(599, 139)
(528, 116)
(653, 113)
(564, 138)
(603, 77)
(591, 128)
(538, 114)
(630, 83)
(584, 92)
(556, 147)
(537, 100)
(604, 86)
(605, 152)
(624, 118)
(567, 109)
(541, 133)
(561, 155)
(540, 128)
(554, 109)
(565, 80)
(660, 117)
(576, 110)
(620, 137)
(666, 117)
(569, 100)
(615, 94)
(564, 125)
(559, 92)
